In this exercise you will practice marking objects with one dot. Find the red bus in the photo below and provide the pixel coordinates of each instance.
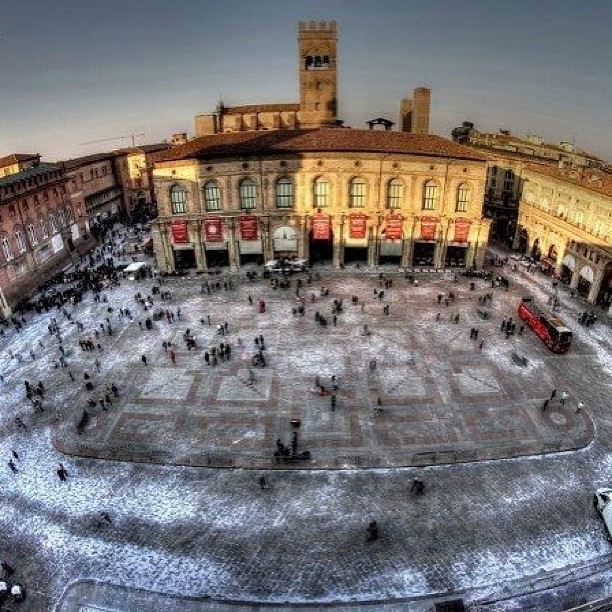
(550, 328)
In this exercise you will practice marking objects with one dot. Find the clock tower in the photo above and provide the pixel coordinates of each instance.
(318, 74)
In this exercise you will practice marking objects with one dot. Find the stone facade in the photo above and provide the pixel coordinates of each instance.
(427, 197)
(38, 230)
(565, 221)
(94, 188)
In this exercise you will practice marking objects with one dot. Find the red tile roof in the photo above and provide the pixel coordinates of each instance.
(593, 180)
(325, 140)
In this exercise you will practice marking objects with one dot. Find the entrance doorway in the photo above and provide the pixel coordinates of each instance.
(455, 256)
(184, 259)
(321, 251)
(217, 258)
(424, 253)
(353, 254)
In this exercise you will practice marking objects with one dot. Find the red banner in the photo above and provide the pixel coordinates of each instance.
(179, 232)
(321, 227)
(213, 232)
(428, 228)
(248, 227)
(393, 229)
(462, 230)
(357, 226)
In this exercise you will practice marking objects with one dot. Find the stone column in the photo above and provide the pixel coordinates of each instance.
(575, 276)
(371, 247)
(336, 246)
(559, 262)
(234, 258)
(303, 243)
(200, 253)
(268, 251)
(166, 248)
(5, 309)
(595, 286)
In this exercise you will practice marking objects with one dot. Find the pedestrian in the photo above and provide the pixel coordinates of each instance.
(378, 405)
(545, 405)
(262, 482)
(15, 455)
(105, 516)
(62, 473)
(115, 390)
(12, 465)
(481, 344)
(552, 394)
(144, 359)
(563, 397)
(173, 356)
(418, 487)
(333, 401)
(579, 407)
(9, 570)
(372, 531)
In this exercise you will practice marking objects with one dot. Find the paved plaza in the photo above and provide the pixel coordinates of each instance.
(175, 460)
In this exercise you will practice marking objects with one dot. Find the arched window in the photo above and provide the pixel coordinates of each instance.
(284, 193)
(431, 195)
(357, 193)
(321, 193)
(326, 61)
(32, 233)
(394, 193)
(212, 195)
(6, 248)
(21, 244)
(463, 198)
(317, 61)
(52, 223)
(43, 228)
(178, 199)
(248, 194)
(309, 62)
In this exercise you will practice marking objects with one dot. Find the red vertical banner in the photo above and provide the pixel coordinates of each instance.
(428, 228)
(179, 232)
(357, 225)
(321, 227)
(393, 229)
(213, 232)
(462, 230)
(248, 227)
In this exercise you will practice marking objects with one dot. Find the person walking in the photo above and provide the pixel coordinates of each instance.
(144, 359)
(172, 356)
(545, 405)
(262, 482)
(372, 531)
(13, 467)
(579, 407)
(553, 393)
(563, 397)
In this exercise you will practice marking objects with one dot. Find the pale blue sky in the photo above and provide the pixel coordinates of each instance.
(74, 71)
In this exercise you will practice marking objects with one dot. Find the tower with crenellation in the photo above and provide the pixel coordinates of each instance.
(318, 73)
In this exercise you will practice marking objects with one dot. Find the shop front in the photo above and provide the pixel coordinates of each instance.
(182, 250)
(321, 239)
(391, 242)
(456, 250)
(250, 244)
(356, 239)
(216, 247)
(585, 281)
(424, 253)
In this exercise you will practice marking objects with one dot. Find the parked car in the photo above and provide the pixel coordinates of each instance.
(285, 265)
(602, 500)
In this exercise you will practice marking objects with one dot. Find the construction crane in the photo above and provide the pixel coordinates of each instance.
(132, 136)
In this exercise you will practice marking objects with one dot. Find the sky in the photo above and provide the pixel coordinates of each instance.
(73, 72)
